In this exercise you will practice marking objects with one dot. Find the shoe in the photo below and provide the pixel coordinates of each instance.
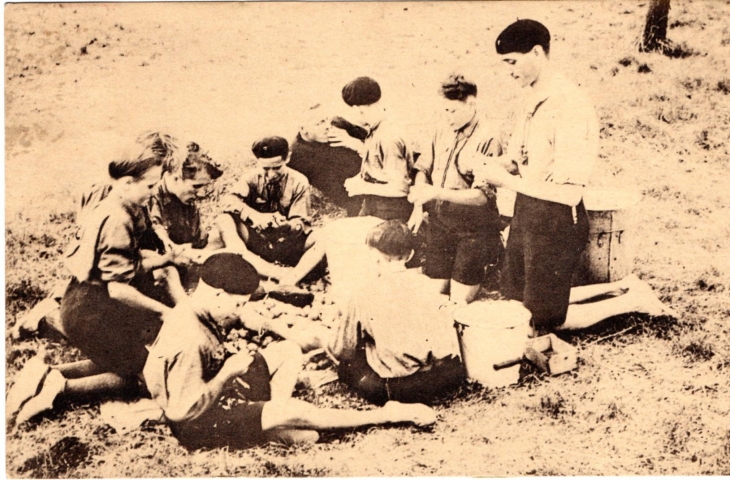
(53, 385)
(292, 295)
(27, 384)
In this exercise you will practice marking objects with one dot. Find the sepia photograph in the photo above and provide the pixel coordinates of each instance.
(355, 239)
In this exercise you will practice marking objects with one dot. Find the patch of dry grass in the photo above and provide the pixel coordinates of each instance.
(652, 400)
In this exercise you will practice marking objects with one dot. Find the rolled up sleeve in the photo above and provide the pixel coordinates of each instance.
(118, 257)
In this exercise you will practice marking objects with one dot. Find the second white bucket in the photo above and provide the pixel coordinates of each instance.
(491, 332)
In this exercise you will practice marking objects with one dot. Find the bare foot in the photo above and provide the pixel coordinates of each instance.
(648, 301)
(416, 413)
(631, 281)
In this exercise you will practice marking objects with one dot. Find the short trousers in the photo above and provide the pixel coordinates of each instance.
(276, 244)
(386, 208)
(543, 248)
(424, 386)
(110, 333)
(459, 254)
(234, 420)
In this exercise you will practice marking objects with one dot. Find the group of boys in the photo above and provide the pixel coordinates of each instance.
(393, 342)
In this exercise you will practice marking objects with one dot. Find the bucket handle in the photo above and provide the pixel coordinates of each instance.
(618, 236)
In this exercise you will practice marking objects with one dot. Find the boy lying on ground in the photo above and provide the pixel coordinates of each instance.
(214, 400)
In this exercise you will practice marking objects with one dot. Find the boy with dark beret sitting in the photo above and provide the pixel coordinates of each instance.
(266, 216)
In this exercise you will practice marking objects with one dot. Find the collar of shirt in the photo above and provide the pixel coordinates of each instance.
(207, 320)
(538, 96)
(373, 129)
(469, 127)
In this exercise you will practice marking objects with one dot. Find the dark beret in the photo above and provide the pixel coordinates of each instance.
(361, 91)
(231, 273)
(271, 147)
(522, 36)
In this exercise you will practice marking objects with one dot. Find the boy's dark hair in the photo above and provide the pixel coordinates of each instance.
(162, 144)
(195, 161)
(393, 238)
(522, 36)
(361, 91)
(456, 87)
(231, 273)
(135, 167)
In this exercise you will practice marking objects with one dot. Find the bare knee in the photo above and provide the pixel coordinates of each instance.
(282, 353)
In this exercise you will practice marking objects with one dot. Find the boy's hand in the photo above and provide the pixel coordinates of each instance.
(260, 220)
(414, 223)
(493, 173)
(340, 138)
(238, 363)
(354, 186)
(422, 193)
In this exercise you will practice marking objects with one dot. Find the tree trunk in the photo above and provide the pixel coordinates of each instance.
(655, 29)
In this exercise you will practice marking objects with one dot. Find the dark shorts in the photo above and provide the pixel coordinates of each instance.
(458, 253)
(543, 248)
(386, 208)
(234, 420)
(110, 333)
(424, 386)
(281, 244)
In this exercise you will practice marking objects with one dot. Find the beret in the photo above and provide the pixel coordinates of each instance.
(271, 147)
(522, 36)
(361, 91)
(230, 273)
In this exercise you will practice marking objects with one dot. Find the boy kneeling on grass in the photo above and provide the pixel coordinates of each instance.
(212, 401)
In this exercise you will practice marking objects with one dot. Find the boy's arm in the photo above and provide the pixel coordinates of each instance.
(343, 344)
(189, 395)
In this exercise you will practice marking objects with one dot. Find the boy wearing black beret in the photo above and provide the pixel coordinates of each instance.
(267, 212)
(385, 175)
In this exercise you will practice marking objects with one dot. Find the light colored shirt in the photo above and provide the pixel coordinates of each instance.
(450, 158)
(399, 319)
(556, 132)
(187, 353)
(288, 194)
(388, 159)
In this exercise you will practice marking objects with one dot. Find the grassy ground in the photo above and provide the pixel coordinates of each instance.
(652, 400)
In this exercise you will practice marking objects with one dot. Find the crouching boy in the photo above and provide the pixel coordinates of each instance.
(212, 399)
(395, 342)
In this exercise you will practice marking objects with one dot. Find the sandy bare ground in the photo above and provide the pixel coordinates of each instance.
(83, 80)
